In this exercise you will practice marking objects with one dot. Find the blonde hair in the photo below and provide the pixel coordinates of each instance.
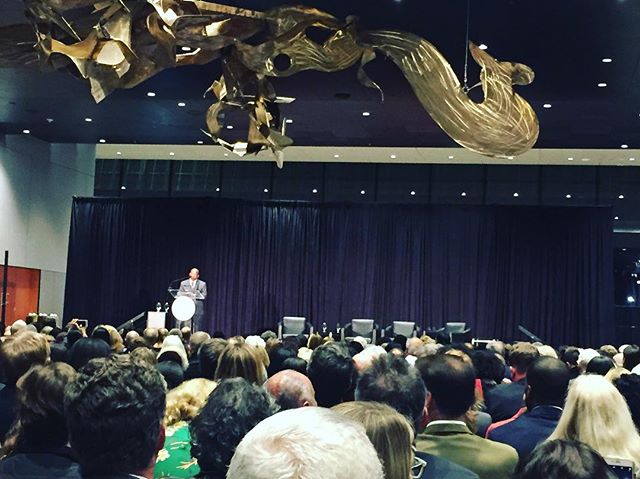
(616, 373)
(240, 360)
(117, 344)
(597, 414)
(389, 432)
(185, 401)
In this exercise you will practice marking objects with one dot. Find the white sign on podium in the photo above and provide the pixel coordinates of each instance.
(156, 319)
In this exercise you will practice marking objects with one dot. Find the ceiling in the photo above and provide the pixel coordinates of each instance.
(563, 41)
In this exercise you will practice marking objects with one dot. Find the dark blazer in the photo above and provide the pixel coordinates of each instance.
(440, 468)
(7, 408)
(45, 464)
(528, 430)
(504, 400)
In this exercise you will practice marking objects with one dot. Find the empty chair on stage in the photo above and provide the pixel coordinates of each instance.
(458, 332)
(293, 326)
(365, 328)
(408, 329)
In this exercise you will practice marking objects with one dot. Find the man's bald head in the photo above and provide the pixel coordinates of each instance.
(291, 389)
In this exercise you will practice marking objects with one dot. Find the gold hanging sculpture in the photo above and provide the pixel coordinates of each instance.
(117, 44)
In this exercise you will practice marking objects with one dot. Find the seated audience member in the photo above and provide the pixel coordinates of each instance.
(631, 357)
(600, 365)
(504, 400)
(183, 404)
(117, 344)
(391, 435)
(615, 373)
(17, 355)
(196, 340)
(618, 360)
(114, 410)
(629, 386)
(232, 410)
(489, 369)
(172, 373)
(562, 459)
(73, 335)
(59, 353)
(239, 360)
(450, 383)
(145, 354)
(332, 374)
(608, 350)
(309, 443)
(547, 382)
(18, 326)
(175, 351)
(546, 350)
(596, 413)
(392, 381)
(100, 332)
(186, 334)
(314, 341)
(570, 357)
(363, 360)
(129, 339)
(86, 349)
(176, 332)
(415, 347)
(36, 446)
(295, 364)
(277, 355)
(291, 389)
(151, 336)
(208, 356)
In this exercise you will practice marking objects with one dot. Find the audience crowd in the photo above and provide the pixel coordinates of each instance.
(165, 403)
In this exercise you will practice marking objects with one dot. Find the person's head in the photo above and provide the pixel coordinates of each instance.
(547, 382)
(488, 366)
(546, 350)
(520, 358)
(310, 443)
(186, 333)
(450, 382)
(332, 374)
(291, 389)
(239, 360)
(496, 347)
(19, 353)
(194, 274)
(172, 373)
(196, 340)
(18, 326)
(185, 401)
(570, 356)
(389, 431)
(314, 341)
(231, 410)
(608, 350)
(100, 332)
(86, 349)
(277, 356)
(596, 413)
(72, 336)
(297, 364)
(392, 381)
(176, 332)
(631, 355)
(150, 336)
(600, 365)
(40, 420)
(563, 459)
(114, 411)
(174, 349)
(145, 354)
(129, 338)
(415, 347)
(208, 355)
(629, 386)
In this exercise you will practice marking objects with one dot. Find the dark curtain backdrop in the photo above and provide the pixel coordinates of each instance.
(549, 269)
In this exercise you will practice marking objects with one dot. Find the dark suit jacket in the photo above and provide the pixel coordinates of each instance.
(528, 430)
(504, 400)
(440, 468)
(7, 408)
(456, 443)
(44, 464)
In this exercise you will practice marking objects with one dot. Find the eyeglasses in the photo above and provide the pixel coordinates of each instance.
(417, 469)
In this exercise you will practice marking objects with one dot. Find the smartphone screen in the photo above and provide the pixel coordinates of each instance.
(622, 472)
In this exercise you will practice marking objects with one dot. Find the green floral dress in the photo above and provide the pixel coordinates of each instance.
(174, 459)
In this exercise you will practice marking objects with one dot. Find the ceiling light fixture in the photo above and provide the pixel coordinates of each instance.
(464, 193)
(393, 157)
(266, 190)
(217, 190)
(288, 120)
(366, 113)
(482, 46)
(570, 158)
(314, 191)
(616, 217)
(607, 60)
(602, 85)
(413, 193)
(229, 127)
(199, 142)
(118, 153)
(182, 103)
(49, 120)
(451, 157)
(509, 157)
(88, 120)
(568, 197)
(624, 146)
(171, 153)
(26, 132)
(123, 187)
(515, 195)
(621, 197)
(336, 156)
(632, 159)
(362, 192)
(186, 49)
(546, 105)
(151, 94)
(102, 140)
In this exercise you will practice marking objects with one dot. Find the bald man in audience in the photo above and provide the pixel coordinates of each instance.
(291, 389)
(196, 340)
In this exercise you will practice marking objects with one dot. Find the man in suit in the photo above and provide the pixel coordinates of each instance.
(504, 400)
(392, 381)
(192, 287)
(547, 383)
(450, 383)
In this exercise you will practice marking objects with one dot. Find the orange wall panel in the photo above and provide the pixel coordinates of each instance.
(23, 292)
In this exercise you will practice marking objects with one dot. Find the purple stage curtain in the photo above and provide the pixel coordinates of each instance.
(493, 267)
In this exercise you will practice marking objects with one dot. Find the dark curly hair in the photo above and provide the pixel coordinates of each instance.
(629, 387)
(231, 411)
(114, 411)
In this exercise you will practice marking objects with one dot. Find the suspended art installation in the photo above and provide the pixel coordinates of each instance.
(120, 43)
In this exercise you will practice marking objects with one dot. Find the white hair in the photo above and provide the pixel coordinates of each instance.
(306, 443)
(585, 356)
(255, 341)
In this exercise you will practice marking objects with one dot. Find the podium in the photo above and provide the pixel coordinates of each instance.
(184, 303)
(156, 319)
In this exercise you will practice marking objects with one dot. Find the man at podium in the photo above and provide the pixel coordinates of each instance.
(195, 288)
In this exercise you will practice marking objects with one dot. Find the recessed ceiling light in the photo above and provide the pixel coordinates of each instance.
(88, 120)
(585, 159)
(624, 146)
(464, 193)
(509, 157)
(199, 142)
(288, 120)
(546, 105)
(314, 191)
(366, 113)
(118, 153)
(515, 195)
(150, 93)
(607, 60)
(632, 159)
(568, 197)
(217, 189)
(123, 187)
(624, 249)
(229, 127)
(616, 217)
(482, 46)
(266, 190)
(171, 153)
(570, 158)
(49, 120)
(451, 157)
(393, 157)
(26, 132)
(602, 85)
(186, 49)
(102, 140)
(362, 192)
(621, 197)
(336, 156)
(181, 103)
(413, 193)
